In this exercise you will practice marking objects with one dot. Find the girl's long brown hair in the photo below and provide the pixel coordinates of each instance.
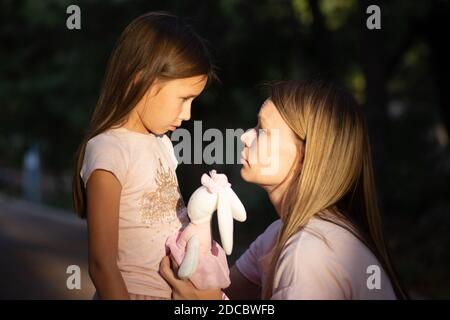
(336, 175)
(154, 45)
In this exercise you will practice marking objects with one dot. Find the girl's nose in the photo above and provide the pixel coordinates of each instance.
(248, 137)
(186, 113)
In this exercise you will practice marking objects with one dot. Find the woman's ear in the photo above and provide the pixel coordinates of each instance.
(301, 151)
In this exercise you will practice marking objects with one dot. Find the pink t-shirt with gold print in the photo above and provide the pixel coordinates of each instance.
(151, 205)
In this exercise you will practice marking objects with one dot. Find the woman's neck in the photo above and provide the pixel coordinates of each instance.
(276, 194)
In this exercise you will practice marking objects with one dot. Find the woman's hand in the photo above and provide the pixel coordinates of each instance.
(184, 289)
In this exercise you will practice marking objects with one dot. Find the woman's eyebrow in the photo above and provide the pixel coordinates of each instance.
(262, 120)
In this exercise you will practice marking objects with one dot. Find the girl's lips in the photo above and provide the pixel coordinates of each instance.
(174, 126)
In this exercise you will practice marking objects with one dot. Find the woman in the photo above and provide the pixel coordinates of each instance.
(328, 242)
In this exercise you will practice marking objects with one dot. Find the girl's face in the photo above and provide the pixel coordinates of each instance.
(270, 149)
(168, 103)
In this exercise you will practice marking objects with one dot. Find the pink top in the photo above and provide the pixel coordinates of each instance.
(151, 206)
(310, 268)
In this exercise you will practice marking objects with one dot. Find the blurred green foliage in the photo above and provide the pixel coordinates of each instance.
(50, 78)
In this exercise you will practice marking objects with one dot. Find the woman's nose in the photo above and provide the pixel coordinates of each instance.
(248, 137)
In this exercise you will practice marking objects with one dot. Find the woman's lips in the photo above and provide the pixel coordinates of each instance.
(244, 160)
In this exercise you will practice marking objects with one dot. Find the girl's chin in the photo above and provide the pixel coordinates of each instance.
(160, 132)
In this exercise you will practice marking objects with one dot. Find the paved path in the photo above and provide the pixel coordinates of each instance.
(37, 244)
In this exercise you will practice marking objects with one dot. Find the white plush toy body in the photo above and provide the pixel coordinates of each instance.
(200, 258)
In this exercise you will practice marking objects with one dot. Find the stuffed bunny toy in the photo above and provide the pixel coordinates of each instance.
(199, 257)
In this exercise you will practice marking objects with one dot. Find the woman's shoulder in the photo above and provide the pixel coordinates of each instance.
(274, 227)
(265, 240)
(338, 237)
(324, 246)
(327, 237)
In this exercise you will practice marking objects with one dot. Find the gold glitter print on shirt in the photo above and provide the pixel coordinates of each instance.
(165, 203)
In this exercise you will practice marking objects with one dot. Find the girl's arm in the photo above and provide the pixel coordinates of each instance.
(241, 288)
(103, 198)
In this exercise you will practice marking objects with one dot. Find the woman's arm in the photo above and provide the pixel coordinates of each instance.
(184, 289)
(241, 288)
(103, 198)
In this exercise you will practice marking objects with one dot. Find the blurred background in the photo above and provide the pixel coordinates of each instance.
(50, 79)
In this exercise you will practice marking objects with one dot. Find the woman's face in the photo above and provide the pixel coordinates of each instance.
(167, 104)
(270, 149)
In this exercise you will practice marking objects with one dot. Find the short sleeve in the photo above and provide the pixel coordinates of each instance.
(309, 270)
(249, 262)
(105, 152)
(168, 146)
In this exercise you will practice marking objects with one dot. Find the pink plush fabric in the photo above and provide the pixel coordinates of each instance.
(212, 269)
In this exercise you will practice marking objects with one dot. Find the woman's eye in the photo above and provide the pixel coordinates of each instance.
(260, 130)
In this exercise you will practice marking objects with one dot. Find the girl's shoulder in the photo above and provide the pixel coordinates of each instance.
(108, 141)
(107, 136)
(105, 151)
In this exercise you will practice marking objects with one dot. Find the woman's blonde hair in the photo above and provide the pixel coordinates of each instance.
(336, 172)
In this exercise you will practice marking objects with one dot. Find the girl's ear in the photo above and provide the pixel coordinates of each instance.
(137, 77)
(156, 86)
(237, 208)
(225, 220)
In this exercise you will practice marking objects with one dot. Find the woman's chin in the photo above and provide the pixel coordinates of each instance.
(246, 174)
(243, 173)
(255, 178)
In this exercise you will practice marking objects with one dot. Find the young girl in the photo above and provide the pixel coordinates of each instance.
(328, 242)
(124, 180)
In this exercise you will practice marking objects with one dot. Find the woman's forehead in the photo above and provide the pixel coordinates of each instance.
(271, 118)
(263, 110)
(269, 114)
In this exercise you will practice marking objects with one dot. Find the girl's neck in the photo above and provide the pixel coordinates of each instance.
(134, 123)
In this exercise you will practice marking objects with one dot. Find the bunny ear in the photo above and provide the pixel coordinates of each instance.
(225, 219)
(237, 208)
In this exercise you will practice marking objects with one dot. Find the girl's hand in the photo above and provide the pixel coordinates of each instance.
(184, 289)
